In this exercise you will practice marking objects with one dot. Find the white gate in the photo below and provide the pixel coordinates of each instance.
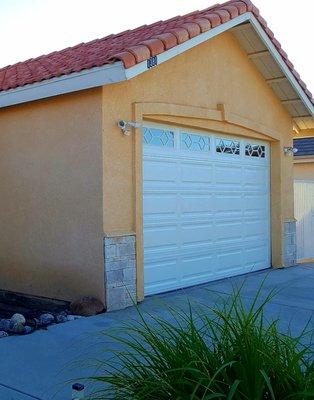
(304, 213)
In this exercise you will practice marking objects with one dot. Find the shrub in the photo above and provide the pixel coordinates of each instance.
(229, 351)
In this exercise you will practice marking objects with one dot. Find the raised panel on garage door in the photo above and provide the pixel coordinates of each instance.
(205, 207)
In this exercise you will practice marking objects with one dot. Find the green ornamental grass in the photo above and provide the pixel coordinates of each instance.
(229, 351)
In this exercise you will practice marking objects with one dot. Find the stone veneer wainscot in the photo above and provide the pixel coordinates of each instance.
(120, 271)
(290, 243)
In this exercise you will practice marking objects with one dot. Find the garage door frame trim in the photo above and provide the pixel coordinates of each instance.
(143, 112)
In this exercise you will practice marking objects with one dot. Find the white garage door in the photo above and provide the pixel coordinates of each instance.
(206, 207)
(304, 213)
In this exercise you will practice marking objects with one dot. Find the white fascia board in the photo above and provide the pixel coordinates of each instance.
(74, 82)
(189, 44)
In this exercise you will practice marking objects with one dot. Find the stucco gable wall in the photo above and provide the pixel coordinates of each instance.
(215, 72)
(51, 197)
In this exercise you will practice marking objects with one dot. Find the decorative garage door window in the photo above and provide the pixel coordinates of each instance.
(193, 142)
(255, 150)
(158, 137)
(227, 146)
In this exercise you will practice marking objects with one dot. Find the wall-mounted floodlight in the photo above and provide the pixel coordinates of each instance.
(290, 151)
(126, 126)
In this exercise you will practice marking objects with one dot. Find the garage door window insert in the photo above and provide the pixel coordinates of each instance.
(158, 137)
(195, 142)
(228, 146)
(255, 150)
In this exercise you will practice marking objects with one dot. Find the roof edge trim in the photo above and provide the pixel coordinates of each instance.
(86, 79)
(246, 17)
(189, 44)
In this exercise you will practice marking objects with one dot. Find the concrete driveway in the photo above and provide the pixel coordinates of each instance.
(39, 365)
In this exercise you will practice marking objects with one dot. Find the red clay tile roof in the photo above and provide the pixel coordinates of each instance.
(133, 46)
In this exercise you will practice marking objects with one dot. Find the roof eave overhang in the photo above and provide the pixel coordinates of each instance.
(116, 72)
(86, 79)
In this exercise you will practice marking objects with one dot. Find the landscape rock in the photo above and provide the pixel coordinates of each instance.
(17, 327)
(27, 330)
(60, 318)
(3, 334)
(65, 313)
(75, 316)
(34, 322)
(5, 325)
(87, 306)
(46, 319)
(18, 319)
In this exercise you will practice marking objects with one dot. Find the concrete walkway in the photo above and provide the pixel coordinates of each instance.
(39, 366)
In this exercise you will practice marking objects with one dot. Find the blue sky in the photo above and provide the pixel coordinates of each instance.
(29, 28)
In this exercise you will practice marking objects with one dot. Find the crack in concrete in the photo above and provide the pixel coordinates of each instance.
(20, 391)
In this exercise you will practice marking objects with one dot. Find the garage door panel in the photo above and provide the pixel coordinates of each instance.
(160, 170)
(255, 226)
(155, 257)
(206, 213)
(255, 256)
(251, 239)
(229, 260)
(227, 231)
(196, 234)
(228, 204)
(255, 178)
(258, 247)
(255, 202)
(197, 270)
(194, 173)
(228, 174)
(157, 237)
(193, 204)
(160, 276)
(160, 203)
(255, 214)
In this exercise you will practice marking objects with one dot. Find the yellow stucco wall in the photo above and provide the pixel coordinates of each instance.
(51, 197)
(304, 171)
(216, 72)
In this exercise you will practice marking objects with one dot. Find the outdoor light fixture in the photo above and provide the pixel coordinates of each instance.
(290, 151)
(126, 126)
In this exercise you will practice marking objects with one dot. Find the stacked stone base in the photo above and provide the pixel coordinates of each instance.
(120, 271)
(290, 243)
